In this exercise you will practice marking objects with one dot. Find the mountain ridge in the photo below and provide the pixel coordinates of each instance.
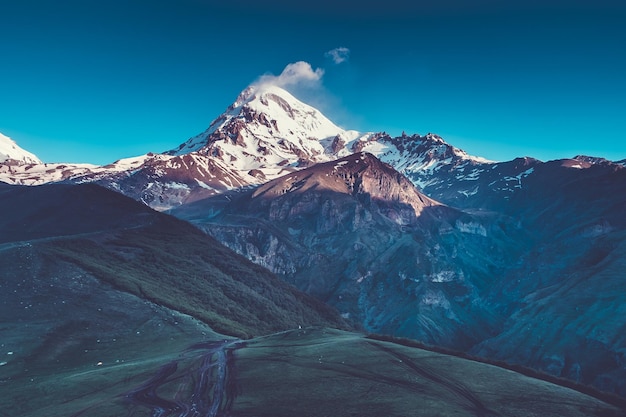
(265, 133)
(11, 153)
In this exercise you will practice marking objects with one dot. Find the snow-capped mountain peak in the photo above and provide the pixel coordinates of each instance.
(267, 130)
(11, 152)
(265, 133)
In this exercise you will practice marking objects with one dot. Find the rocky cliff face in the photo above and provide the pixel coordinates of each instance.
(162, 182)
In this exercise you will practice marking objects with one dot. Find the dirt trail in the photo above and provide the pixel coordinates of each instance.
(213, 384)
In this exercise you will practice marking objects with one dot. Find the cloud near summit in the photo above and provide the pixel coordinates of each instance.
(338, 55)
(295, 74)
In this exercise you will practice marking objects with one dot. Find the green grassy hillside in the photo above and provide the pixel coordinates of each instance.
(320, 372)
(172, 264)
(101, 290)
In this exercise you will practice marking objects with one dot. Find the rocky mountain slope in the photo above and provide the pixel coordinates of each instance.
(268, 130)
(159, 181)
(528, 272)
(358, 235)
(565, 296)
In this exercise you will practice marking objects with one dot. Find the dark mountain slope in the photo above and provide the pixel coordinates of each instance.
(153, 256)
(60, 210)
(173, 264)
(364, 377)
(67, 339)
(566, 295)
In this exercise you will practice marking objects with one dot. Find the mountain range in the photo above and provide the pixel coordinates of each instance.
(519, 260)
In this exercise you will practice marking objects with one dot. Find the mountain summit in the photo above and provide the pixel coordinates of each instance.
(11, 152)
(267, 131)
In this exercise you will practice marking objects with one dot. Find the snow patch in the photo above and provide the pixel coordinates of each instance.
(435, 299)
(469, 193)
(598, 230)
(9, 150)
(443, 276)
(473, 228)
(176, 186)
(525, 173)
(204, 185)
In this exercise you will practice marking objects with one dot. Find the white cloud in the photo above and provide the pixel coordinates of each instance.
(338, 55)
(295, 74)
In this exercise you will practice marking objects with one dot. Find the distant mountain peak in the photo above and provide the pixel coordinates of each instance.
(268, 130)
(268, 111)
(10, 152)
(592, 159)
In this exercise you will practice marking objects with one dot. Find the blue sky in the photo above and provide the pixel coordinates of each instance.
(95, 81)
